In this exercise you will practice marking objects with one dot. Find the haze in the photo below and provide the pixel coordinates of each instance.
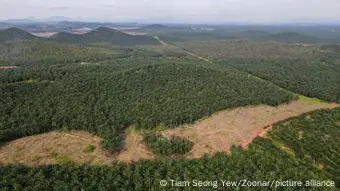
(189, 10)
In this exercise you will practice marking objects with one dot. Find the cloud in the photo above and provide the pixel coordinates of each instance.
(58, 7)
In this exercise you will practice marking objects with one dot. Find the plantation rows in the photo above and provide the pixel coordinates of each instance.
(106, 98)
(261, 161)
(315, 138)
(311, 70)
(23, 53)
(284, 155)
(317, 78)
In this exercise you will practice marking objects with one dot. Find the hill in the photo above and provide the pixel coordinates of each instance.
(103, 34)
(15, 34)
(251, 34)
(154, 27)
(293, 37)
(42, 51)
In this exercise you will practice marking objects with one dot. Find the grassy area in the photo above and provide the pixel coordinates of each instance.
(309, 100)
(161, 128)
(63, 159)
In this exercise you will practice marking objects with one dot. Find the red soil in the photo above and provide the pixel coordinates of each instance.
(261, 132)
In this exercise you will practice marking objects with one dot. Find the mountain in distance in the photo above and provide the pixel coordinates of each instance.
(154, 27)
(94, 25)
(30, 20)
(103, 34)
(15, 34)
(57, 19)
(19, 21)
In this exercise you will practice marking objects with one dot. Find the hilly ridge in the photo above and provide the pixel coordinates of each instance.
(154, 27)
(15, 34)
(103, 34)
(292, 37)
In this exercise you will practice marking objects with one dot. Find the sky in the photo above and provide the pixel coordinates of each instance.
(186, 10)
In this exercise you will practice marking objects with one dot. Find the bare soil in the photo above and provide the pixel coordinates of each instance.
(237, 127)
(69, 147)
(134, 150)
(7, 67)
(55, 148)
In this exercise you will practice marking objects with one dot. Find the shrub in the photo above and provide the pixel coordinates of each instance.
(166, 147)
(89, 149)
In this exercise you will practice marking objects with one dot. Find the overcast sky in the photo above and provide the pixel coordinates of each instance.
(198, 10)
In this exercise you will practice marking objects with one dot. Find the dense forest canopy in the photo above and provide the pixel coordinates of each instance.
(163, 146)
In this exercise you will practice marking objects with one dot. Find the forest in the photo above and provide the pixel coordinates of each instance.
(281, 156)
(311, 70)
(299, 135)
(103, 34)
(22, 53)
(108, 97)
(317, 78)
(104, 89)
(166, 147)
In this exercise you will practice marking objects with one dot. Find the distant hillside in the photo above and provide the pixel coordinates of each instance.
(293, 37)
(15, 34)
(154, 27)
(250, 34)
(107, 35)
(331, 47)
(43, 51)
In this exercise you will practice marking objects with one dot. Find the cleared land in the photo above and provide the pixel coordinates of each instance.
(238, 126)
(7, 67)
(55, 148)
(134, 150)
(70, 147)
